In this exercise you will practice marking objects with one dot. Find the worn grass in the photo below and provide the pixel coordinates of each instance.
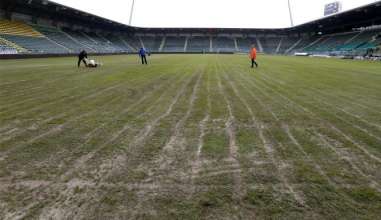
(190, 137)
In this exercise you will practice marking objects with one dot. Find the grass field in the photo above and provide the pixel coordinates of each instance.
(190, 137)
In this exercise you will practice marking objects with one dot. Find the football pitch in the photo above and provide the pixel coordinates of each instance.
(190, 137)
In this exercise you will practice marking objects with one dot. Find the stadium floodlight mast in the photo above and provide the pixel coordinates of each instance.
(290, 11)
(132, 12)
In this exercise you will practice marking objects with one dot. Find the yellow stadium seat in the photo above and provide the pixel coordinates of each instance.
(18, 28)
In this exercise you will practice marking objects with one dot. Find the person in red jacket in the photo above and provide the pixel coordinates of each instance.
(253, 56)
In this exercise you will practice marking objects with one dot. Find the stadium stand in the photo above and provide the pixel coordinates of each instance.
(83, 40)
(18, 36)
(365, 41)
(198, 44)
(304, 43)
(286, 44)
(133, 41)
(377, 52)
(270, 44)
(317, 45)
(60, 38)
(174, 44)
(331, 43)
(245, 43)
(355, 43)
(120, 43)
(342, 36)
(102, 44)
(5, 49)
(18, 28)
(152, 44)
(36, 44)
(223, 44)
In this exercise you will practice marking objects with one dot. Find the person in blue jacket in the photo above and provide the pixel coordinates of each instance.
(142, 54)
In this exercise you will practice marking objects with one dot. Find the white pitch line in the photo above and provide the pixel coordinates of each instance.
(164, 159)
(60, 127)
(147, 130)
(298, 196)
(35, 98)
(180, 124)
(372, 184)
(301, 149)
(239, 191)
(143, 134)
(267, 78)
(344, 98)
(258, 100)
(333, 127)
(26, 90)
(359, 146)
(196, 165)
(351, 114)
(80, 162)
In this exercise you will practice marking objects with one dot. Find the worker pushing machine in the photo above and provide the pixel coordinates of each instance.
(82, 56)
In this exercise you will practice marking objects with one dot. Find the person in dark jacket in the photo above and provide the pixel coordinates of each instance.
(82, 58)
(142, 54)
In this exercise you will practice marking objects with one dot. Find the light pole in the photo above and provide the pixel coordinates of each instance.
(290, 11)
(132, 12)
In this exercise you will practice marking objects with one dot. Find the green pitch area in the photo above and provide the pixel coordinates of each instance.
(190, 137)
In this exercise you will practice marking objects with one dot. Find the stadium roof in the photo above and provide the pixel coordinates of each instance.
(359, 17)
(363, 16)
(58, 12)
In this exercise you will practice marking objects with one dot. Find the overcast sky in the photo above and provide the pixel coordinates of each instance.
(209, 13)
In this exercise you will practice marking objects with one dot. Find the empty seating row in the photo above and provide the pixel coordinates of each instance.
(174, 44)
(5, 49)
(102, 44)
(270, 44)
(119, 42)
(244, 44)
(22, 38)
(61, 38)
(223, 44)
(303, 44)
(76, 41)
(198, 44)
(84, 42)
(354, 42)
(286, 44)
(36, 44)
(133, 42)
(332, 43)
(152, 44)
(18, 28)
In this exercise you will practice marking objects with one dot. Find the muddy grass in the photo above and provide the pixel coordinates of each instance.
(190, 137)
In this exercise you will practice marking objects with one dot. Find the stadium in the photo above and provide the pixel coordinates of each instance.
(197, 133)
